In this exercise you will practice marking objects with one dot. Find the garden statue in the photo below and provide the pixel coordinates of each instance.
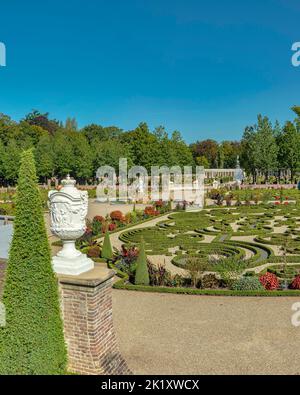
(68, 209)
(239, 174)
(141, 193)
(215, 184)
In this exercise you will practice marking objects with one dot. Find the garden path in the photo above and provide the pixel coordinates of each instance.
(185, 334)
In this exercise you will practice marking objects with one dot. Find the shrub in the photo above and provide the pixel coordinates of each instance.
(96, 227)
(229, 269)
(128, 218)
(126, 261)
(249, 283)
(158, 203)
(32, 342)
(112, 227)
(99, 218)
(107, 252)
(86, 239)
(3, 211)
(133, 217)
(210, 281)
(159, 275)
(117, 216)
(180, 281)
(196, 267)
(295, 283)
(269, 281)
(150, 211)
(94, 252)
(141, 273)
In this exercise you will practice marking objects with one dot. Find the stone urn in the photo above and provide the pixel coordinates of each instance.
(68, 209)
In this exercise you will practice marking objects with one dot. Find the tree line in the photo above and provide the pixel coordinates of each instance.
(61, 148)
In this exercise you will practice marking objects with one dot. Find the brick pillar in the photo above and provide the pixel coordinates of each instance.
(88, 324)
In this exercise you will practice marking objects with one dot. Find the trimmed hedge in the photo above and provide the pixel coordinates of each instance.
(107, 252)
(194, 291)
(32, 342)
(141, 273)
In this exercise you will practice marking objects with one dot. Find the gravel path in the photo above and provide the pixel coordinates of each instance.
(184, 334)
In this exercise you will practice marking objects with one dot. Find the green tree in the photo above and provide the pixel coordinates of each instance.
(248, 159)
(45, 158)
(108, 153)
(71, 124)
(63, 154)
(97, 132)
(289, 148)
(142, 273)
(208, 148)
(231, 150)
(265, 149)
(182, 155)
(82, 163)
(12, 162)
(221, 157)
(202, 161)
(42, 120)
(32, 341)
(259, 148)
(2, 162)
(296, 110)
(143, 146)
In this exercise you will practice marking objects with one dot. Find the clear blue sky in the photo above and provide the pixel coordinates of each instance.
(203, 67)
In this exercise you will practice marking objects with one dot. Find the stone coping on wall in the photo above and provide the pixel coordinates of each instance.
(91, 279)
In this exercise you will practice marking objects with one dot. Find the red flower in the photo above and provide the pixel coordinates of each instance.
(159, 203)
(112, 227)
(88, 230)
(269, 281)
(117, 216)
(98, 218)
(296, 283)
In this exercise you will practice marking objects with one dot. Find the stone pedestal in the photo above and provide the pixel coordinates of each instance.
(88, 323)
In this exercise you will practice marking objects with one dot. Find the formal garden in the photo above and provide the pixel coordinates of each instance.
(238, 250)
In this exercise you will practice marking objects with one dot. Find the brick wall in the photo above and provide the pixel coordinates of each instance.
(88, 325)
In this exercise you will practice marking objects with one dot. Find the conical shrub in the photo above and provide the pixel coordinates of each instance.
(142, 273)
(32, 341)
(107, 252)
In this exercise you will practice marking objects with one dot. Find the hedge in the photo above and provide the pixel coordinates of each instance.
(107, 252)
(194, 291)
(32, 341)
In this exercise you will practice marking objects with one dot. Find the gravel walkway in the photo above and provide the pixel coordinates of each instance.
(183, 334)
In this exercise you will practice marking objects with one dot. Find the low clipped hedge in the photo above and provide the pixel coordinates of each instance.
(121, 284)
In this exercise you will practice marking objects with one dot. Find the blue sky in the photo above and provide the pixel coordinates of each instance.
(206, 68)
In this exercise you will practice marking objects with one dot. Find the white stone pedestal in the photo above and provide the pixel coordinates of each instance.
(71, 261)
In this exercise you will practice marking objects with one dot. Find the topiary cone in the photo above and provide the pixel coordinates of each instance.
(142, 274)
(32, 341)
(107, 252)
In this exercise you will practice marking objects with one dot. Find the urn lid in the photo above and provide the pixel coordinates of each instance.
(68, 187)
(68, 182)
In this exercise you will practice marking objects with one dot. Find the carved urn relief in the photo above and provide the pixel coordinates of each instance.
(68, 209)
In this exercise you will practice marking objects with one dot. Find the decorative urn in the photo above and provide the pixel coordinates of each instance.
(68, 209)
